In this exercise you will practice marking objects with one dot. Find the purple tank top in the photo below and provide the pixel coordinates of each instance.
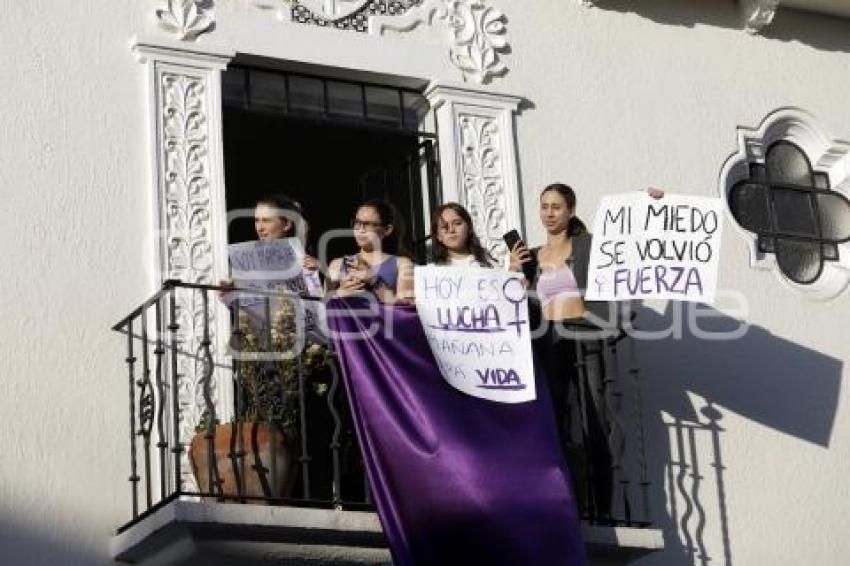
(558, 283)
(386, 272)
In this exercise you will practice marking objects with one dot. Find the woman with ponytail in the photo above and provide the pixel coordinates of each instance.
(569, 326)
(562, 259)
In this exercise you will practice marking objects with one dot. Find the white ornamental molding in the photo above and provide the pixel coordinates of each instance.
(483, 192)
(333, 10)
(478, 165)
(188, 241)
(825, 154)
(757, 14)
(477, 34)
(186, 18)
(187, 189)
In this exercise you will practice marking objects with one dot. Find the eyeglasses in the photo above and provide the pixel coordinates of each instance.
(358, 224)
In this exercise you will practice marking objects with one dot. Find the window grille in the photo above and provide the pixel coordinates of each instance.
(318, 98)
(793, 211)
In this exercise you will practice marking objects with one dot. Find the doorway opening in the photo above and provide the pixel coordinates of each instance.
(328, 144)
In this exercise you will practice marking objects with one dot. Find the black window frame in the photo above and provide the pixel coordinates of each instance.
(770, 239)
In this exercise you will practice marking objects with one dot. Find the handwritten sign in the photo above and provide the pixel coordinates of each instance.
(267, 265)
(476, 322)
(276, 266)
(644, 248)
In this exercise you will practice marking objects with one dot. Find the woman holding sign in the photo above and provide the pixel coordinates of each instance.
(455, 241)
(278, 217)
(380, 266)
(577, 388)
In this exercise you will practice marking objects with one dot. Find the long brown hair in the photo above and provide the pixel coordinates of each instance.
(575, 226)
(395, 242)
(440, 253)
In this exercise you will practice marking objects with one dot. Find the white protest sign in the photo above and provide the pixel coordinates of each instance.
(476, 322)
(275, 266)
(645, 248)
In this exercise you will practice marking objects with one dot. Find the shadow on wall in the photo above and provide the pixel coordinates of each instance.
(816, 30)
(687, 382)
(23, 546)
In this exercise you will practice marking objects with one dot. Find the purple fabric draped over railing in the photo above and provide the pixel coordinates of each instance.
(456, 479)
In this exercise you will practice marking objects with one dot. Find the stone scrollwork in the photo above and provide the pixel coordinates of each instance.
(483, 189)
(188, 241)
(186, 18)
(478, 34)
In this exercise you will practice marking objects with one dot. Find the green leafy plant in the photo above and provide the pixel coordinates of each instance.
(269, 368)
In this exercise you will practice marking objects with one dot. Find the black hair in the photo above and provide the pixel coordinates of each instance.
(575, 226)
(440, 253)
(394, 242)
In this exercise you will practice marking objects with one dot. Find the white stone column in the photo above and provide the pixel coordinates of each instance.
(189, 220)
(478, 161)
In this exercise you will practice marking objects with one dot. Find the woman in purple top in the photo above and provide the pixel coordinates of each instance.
(380, 266)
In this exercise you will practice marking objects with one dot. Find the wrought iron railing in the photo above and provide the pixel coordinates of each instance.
(309, 429)
(601, 425)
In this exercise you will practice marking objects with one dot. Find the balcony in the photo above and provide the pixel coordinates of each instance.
(302, 496)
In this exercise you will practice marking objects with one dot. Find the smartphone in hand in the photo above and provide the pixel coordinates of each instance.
(529, 266)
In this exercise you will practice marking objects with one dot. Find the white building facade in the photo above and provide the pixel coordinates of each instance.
(113, 178)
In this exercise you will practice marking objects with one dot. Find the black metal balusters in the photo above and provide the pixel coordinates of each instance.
(336, 488)
(159, 377)
(177, 449)
(134, 476)
(209, 405)
(586, 472)
(271, 490)
(162, 444)
(637, 408)
(146, 408)
(237, 449)
(616, 438)
(302, 407)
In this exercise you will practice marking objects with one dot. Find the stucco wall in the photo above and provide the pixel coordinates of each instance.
(626, 98)
(620, 100)
(74, 228)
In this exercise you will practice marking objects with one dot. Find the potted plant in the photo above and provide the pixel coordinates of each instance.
(258, 449)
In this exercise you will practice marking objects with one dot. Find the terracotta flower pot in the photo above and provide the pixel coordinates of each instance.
(266, 467)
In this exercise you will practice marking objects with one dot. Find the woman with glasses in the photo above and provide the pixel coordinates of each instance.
(381, 265)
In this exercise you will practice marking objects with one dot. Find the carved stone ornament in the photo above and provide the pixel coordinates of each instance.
(757, 13)
(188, 245)
(477, 33)
(483, 188)
(186, 18)
(479, 36)
(333, 9)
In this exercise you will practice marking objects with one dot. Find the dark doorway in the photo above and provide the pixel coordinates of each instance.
(330, 145)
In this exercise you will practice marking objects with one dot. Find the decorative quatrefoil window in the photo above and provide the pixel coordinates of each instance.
(792, 211)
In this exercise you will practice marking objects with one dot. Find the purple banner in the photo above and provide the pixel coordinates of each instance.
(456, 479)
